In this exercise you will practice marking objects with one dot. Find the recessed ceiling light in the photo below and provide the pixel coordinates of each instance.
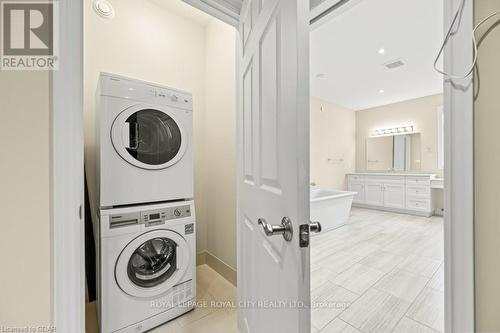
(321, 75)
(103, 8)
(381, 91)
(381, 51)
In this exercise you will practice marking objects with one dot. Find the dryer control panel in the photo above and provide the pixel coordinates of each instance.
(149, 217)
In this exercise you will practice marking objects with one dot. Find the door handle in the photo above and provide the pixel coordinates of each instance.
(315, 227)
(284, 229)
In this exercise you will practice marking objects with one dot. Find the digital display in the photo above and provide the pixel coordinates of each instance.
(154, 216)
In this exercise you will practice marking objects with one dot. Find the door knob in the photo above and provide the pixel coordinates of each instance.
(315, 227)
(284, 229)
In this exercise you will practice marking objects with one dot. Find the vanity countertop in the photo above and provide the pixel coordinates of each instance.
(432, 175)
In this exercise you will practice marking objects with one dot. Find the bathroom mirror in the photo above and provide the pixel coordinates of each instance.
(393, 153)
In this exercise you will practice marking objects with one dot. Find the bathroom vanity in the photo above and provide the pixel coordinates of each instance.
(397, 192)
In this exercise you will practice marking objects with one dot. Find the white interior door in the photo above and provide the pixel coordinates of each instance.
(273, 164)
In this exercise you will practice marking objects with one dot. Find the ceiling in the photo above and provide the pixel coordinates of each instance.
(185, 10)
(345, 53)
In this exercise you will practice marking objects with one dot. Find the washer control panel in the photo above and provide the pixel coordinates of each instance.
(150, 217)
(159, 216)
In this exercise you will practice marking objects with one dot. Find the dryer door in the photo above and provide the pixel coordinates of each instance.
(149, 137)
(152, 263)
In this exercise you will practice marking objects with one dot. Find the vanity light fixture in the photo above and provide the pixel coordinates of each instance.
(393, 130)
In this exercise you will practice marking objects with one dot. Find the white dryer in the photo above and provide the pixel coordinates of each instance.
(146, 265)
(144, 148)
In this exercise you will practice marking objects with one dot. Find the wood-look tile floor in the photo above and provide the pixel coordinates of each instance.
(382, 272)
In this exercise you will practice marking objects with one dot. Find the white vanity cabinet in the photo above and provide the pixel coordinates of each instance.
(374, 193)
(402, 193)
(394, 195)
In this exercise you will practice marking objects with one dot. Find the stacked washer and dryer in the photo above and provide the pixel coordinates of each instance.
(145, 228)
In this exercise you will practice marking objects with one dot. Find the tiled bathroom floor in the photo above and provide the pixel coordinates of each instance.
(382, 272)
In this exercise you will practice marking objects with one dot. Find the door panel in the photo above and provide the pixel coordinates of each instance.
(273, 164)
(374, 194)
(247, 127)
(394, 195)
(359, 188)
(269, 110)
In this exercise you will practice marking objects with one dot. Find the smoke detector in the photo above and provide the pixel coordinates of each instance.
(394, 64)
(103, 8)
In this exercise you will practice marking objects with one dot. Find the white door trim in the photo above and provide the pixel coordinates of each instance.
(459, 175)
(68, 281)
(225, 10)
(67, 173)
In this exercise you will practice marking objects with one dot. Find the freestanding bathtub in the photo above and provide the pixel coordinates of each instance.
(331, 208)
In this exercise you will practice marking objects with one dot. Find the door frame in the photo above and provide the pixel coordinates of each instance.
(68, 263)
(67, 174)
(458, 105)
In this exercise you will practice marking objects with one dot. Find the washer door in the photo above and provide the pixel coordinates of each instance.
(149, 137)
(152, 263)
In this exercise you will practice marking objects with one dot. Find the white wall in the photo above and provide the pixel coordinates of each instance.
(220, 141)
(25, 189)
(420, 112)
(149, 42)
(333, 136)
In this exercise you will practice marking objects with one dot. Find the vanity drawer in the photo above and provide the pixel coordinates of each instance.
(418, 204)
(418, 191)
(385, 179)
(356, 178)
(416, 180)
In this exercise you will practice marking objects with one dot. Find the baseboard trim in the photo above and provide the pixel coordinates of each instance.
(226, 271)
(201, 258)
(394, 210)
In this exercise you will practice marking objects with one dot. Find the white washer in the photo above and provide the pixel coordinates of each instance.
(146, 265)
(144, 142)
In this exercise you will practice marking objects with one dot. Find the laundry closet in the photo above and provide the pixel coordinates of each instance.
(160, 156)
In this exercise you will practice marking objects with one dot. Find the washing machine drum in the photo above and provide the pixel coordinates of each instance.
(149, 137)
(152, 263)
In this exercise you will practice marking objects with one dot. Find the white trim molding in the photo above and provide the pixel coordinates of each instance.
(225, 10)
(67, 173)
(459, 175)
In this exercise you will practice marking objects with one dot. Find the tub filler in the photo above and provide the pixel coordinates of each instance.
(331, 208)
